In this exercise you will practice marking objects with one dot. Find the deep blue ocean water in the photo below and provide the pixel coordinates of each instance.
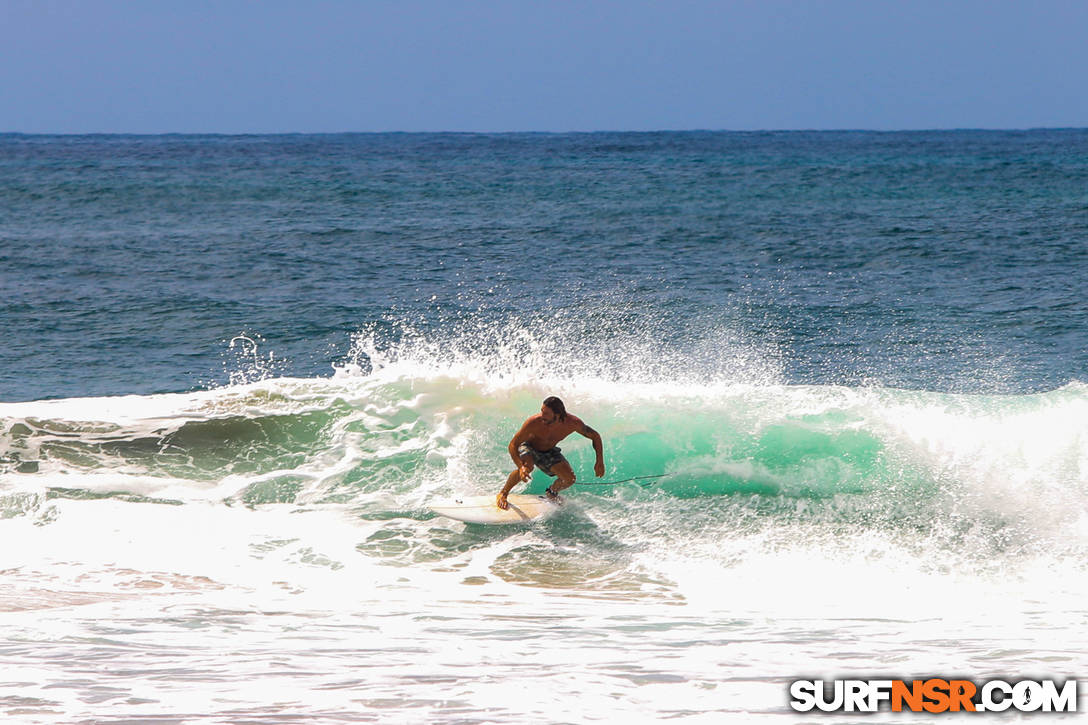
(236, 371)
(925, 260)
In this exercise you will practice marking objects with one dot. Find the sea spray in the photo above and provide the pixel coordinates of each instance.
(907, 463)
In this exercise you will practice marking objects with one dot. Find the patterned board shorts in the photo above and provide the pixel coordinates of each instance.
(544, 460)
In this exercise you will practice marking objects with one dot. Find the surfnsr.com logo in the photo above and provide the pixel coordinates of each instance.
(933, 695)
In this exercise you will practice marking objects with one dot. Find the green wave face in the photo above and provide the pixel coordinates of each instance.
(737, 459)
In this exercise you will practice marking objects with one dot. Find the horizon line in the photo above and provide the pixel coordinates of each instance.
(963, 129)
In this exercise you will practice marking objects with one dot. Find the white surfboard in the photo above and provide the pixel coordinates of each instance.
(483, 510)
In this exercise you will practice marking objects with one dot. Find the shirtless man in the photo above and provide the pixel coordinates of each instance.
(536, 443)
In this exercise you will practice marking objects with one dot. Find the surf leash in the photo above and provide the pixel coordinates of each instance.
(613, 483)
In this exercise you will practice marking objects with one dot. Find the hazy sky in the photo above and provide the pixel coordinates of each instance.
(231, 66)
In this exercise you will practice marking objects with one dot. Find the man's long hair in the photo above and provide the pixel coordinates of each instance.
(557, 407)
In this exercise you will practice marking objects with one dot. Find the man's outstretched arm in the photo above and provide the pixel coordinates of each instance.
(598, 447)
(520, 437)
(521, 471)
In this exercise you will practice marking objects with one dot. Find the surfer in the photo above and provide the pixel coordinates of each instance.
(535, 444)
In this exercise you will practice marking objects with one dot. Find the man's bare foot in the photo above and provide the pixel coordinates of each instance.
(500, 501)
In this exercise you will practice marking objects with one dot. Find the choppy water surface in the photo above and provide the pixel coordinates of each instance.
(237, 369)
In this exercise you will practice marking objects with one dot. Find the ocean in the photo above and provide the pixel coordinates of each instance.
(236, 370)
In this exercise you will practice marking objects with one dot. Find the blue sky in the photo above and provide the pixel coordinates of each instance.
(235, 66)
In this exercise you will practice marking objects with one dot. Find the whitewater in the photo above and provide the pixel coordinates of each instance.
(236, 371)
(264, 550)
